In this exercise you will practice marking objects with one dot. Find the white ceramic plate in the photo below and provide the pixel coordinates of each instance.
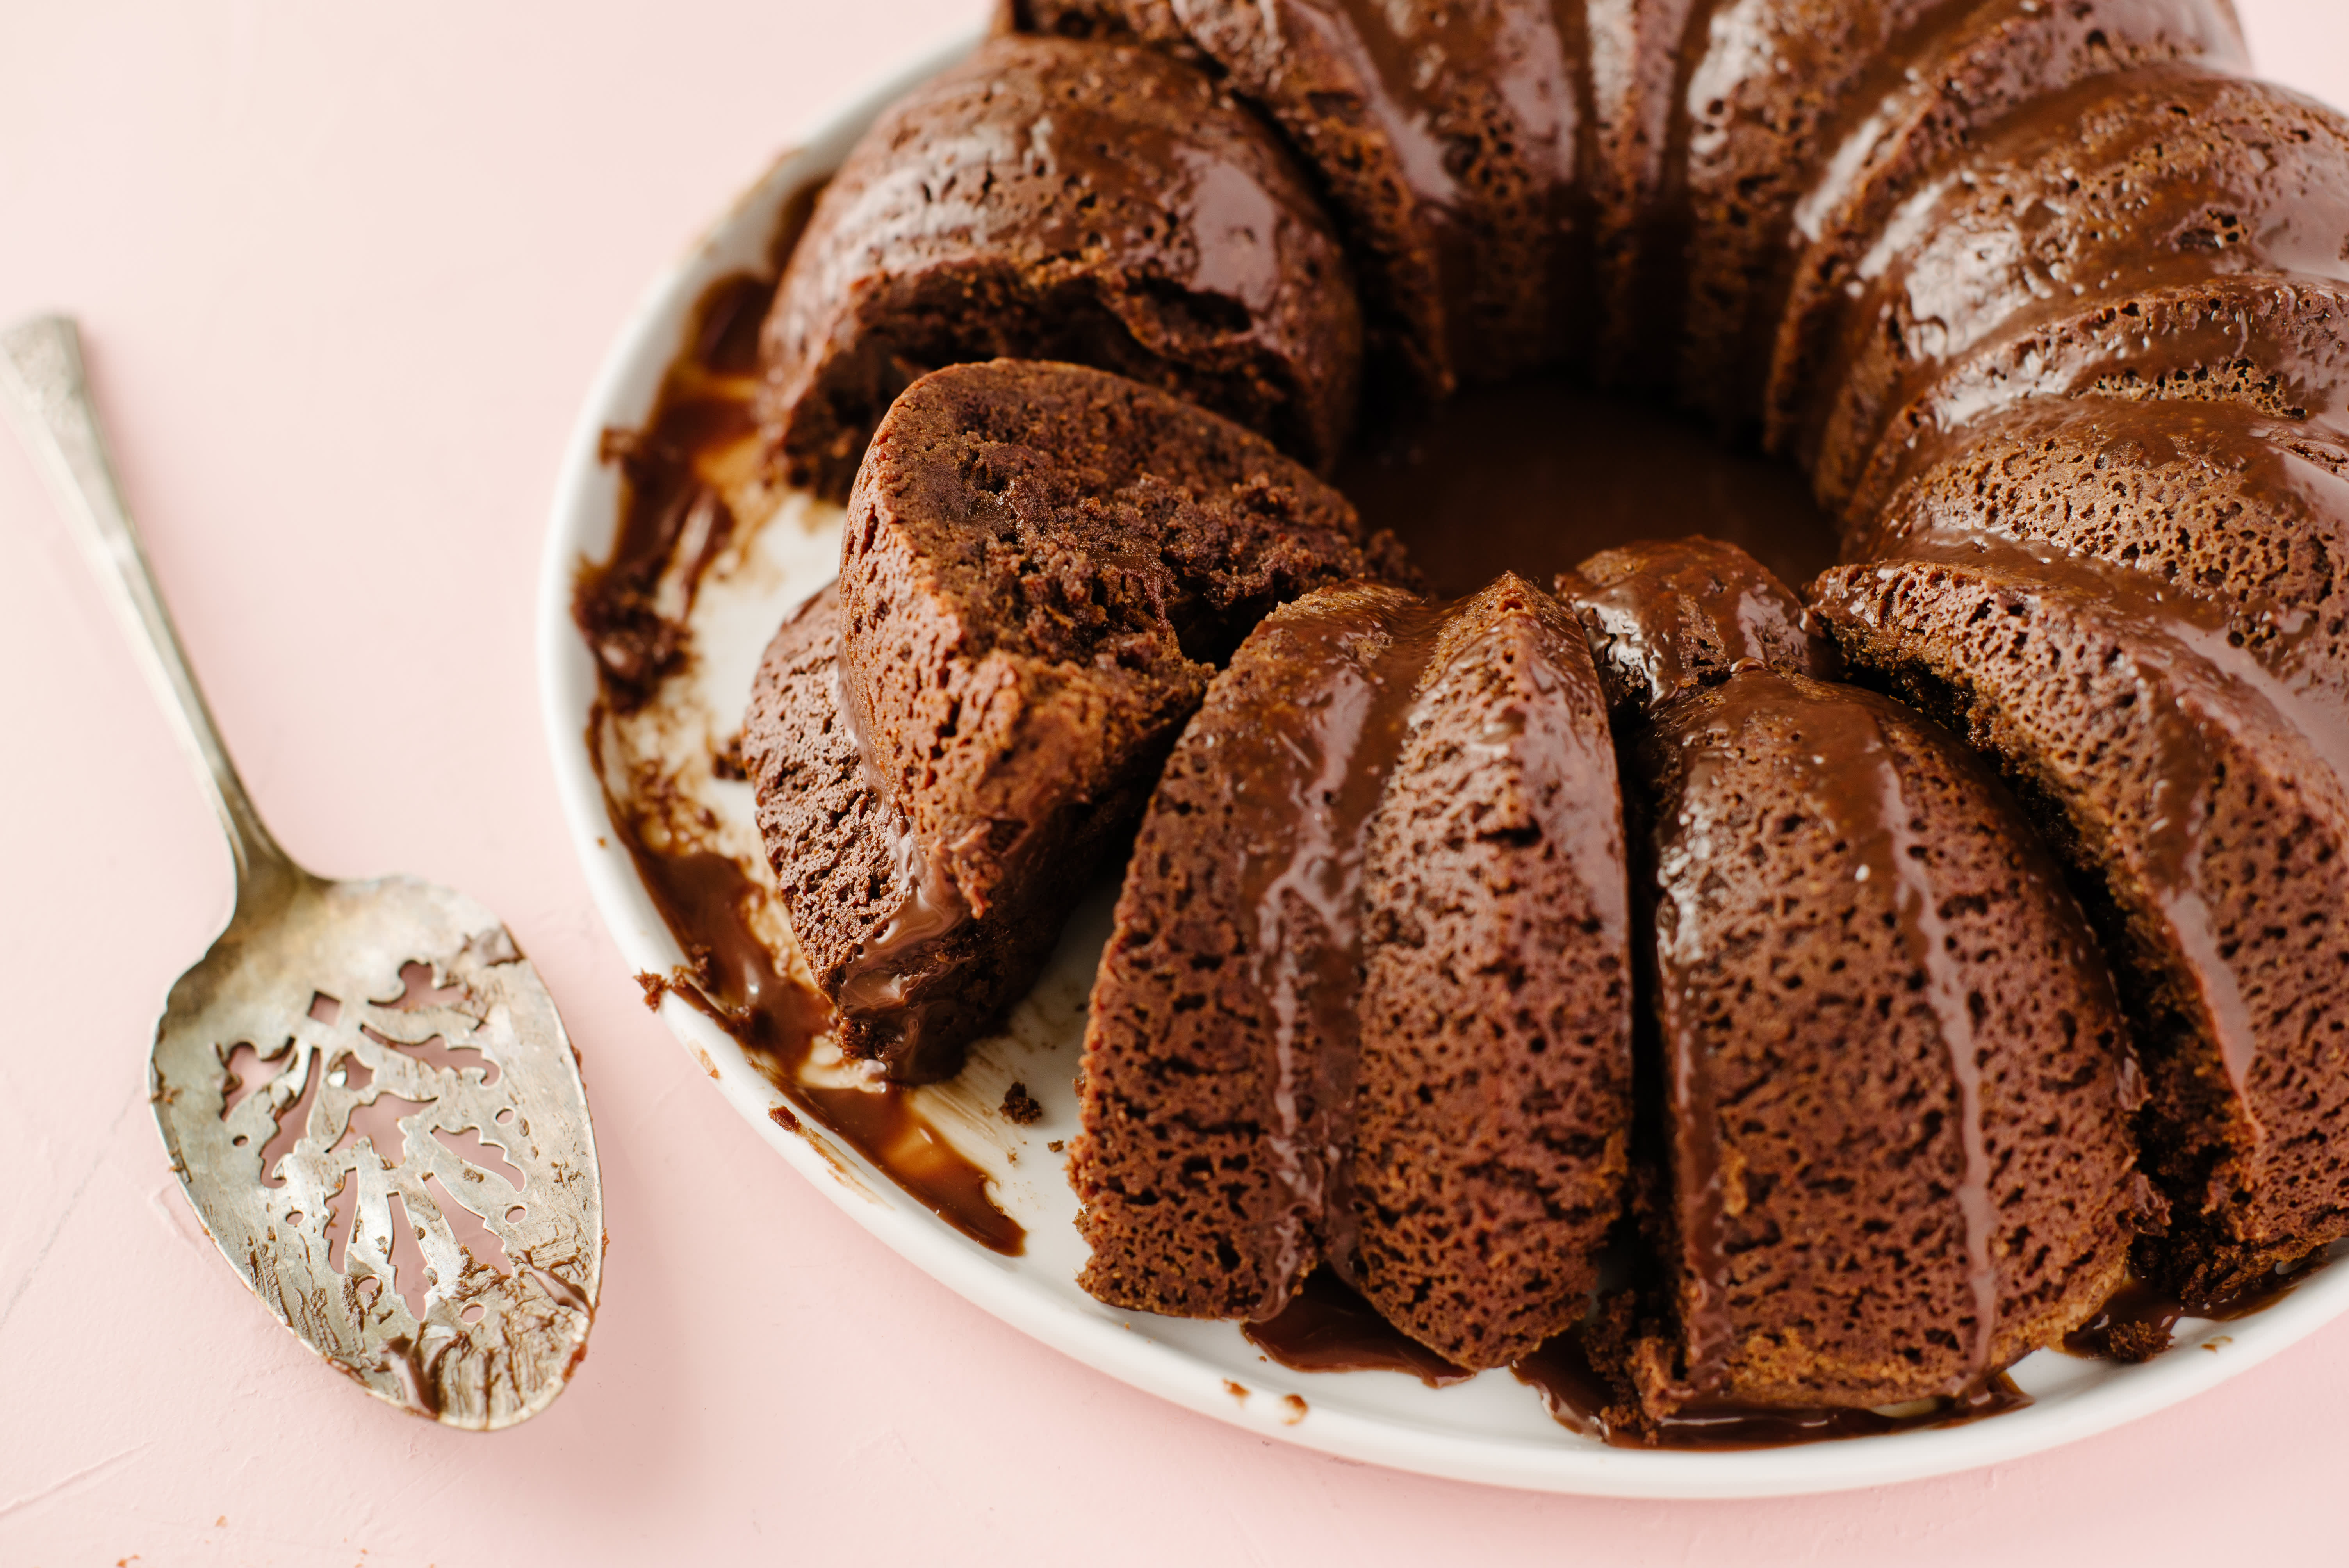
(1491, 1428)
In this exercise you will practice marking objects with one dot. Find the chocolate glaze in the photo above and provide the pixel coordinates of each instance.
(706, 899)
(1327, 1327)
(1847, 774)
(2275, 342)
(2280, 672)
(1534, 475)
(1307, 898)
(873, 981)
(1578, 1397)
(1664, 618)
(2136, 180)
(1924, 101)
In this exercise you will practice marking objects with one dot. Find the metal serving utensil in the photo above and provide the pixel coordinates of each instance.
(392, 1002)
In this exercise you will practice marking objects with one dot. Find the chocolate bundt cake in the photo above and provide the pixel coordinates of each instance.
(1042, 566)
(1054, 199)
(1894, 1119)
(2052, 308)
(1367, 1001)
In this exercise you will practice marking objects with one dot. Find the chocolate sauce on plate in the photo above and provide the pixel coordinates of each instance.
(1327, 1327)
(632, 610)
(1533, 475)
(1579, 1398)
(706, 900)
(2135, 1324)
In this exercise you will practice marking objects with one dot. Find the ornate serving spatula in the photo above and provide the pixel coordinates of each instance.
(364, 1085)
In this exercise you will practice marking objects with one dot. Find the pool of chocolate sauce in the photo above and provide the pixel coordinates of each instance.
(1531, 477)
(1330, 1328)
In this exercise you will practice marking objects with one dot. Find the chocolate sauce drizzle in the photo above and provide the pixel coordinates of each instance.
(1362, 658)
(1327, 1327)
(1861, 795)
(2135, 1324)
(2187, 643)
(707, 901)
(874, 980)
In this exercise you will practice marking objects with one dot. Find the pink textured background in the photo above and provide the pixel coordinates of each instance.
(346, 272)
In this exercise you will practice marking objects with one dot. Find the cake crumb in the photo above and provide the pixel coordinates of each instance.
(1055, 1146)
(655, 987)
(1019, 1107)
(781, 1115)
(2134, 1342)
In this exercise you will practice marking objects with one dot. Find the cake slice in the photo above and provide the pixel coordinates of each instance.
(2206, 828)
(1893, 1080)
(1218, 1076)
(1042, 568)
(2214, 505)
(1050, 199)
(1493, 1109)
(1797, 115)
(2278, 345)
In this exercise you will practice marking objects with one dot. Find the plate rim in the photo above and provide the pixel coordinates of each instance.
(581, 523)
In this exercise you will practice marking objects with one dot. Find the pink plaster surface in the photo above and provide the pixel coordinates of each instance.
(345, 270)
